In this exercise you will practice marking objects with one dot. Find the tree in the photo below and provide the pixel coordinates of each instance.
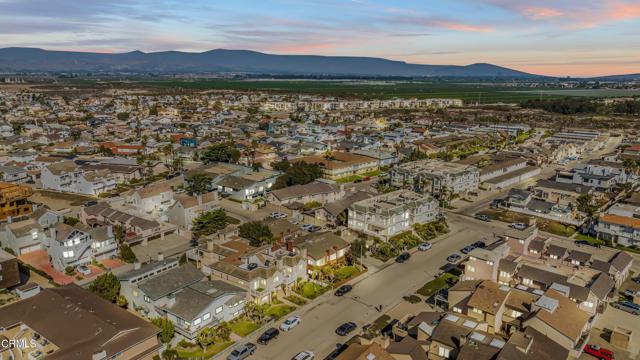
(222, 152)
(299, 173)
(205, 337)
(585, 204)
(123, 116)
(105, 151)
(223, 331)
(199, 183)
(167, 329)
(209, 222)
(257, 232)
(70, 220)
(107, 286)
(127, 254)
(255, 312)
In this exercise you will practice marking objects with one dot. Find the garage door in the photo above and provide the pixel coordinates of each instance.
(28, 249)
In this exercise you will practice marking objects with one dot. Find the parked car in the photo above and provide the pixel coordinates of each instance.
(340, 348)
(597, 351)
(84, 270)
(343, 290)
(268, 335)
(290, 323)
(627, 306)
(91, 203)
(454, 258)
(629, 293)
(467, 249)
(305, 227)
(242, 352)
(346, 328)
(403, 257)
(314, 228)
(519, 226)
(424, 246)
(636, 279)
(278, 215)
(479, 244)
(483, 217)
(305, 355)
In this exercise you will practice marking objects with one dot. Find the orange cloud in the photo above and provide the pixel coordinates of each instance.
(537, 13)
(462, 27)
(623, 11)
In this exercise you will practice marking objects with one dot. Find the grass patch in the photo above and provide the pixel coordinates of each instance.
(347, 272)
(557, 228)
(591, 240)
(436, 284)
(413, 299)
(243, 327)
(349, 179)
(296, 300)
(207, 353)
(309, 289)
(278, 311)
(380, 323)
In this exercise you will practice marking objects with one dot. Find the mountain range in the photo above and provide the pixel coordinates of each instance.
(16, 59)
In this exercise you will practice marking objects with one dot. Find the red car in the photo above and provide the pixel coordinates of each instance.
(597, 351)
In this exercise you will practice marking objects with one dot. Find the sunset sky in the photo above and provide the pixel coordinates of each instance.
(568, 37)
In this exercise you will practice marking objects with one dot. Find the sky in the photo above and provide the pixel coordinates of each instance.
(549, 37)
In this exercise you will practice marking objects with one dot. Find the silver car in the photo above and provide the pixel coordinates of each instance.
(242, 352)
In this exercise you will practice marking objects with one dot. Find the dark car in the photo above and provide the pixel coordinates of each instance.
(403, 257)
(467, 249)
(346, 328)
(479, 244)
(268, 335)
(91, 203)
(343, 290)
(340, 348)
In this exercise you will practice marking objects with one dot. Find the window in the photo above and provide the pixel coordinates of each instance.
(490, 263)
(67, 254)
(76, 241)
(443, 352)
(219, 309)
(457, 309)
(515, 314)
(588, 304)
(471, 268)
(34, 235)
(197, 321)
(526, 281)
(476, 310)
(206, 316)
(147, 299)
(504, 274)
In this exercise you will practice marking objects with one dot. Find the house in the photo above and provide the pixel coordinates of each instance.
(550, 316)
(67, 176)
(436, 177)
(389, 214)
(24, 236)
(94, 328)
(313, 192)
(13, 200)
(623, 230)
(152, 199)
(531, 345)
(186, 208)
(371, 351)
(336, 213)
(181, 295)
(560, 193)
(14, 174)
(80, 244)
(9, 272)
(322, 248)
(247, 184)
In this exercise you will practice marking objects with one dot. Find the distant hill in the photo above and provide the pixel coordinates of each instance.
(625, 77)
(220, 60)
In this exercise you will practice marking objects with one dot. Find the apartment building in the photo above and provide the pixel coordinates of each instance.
(13, 200)
(182, 295)
(302, 194)
(67, 176)
(436, 177)
(342, 164)
(93, 327)
(389, 214)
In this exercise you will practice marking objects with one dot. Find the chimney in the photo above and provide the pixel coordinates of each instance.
(137, 265)
(110, 231)
(199, 197)
(160, 257)
(209, 245)
(289, 245)
(462, 340)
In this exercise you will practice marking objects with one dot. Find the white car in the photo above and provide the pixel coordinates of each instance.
(424, 246)
(290, 323)
(84, 270)
(519, 226)
(278, 215)
(305, 355)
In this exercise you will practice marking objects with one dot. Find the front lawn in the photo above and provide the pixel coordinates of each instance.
(309, 290)
(296, 300)
(436, 284)
(591, 240)
(347, 272)
(279, 311)
(556, 228)
(243, 326)
(198, 353)
(349, 179)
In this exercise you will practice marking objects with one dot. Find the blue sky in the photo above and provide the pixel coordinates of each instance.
(568, 37)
